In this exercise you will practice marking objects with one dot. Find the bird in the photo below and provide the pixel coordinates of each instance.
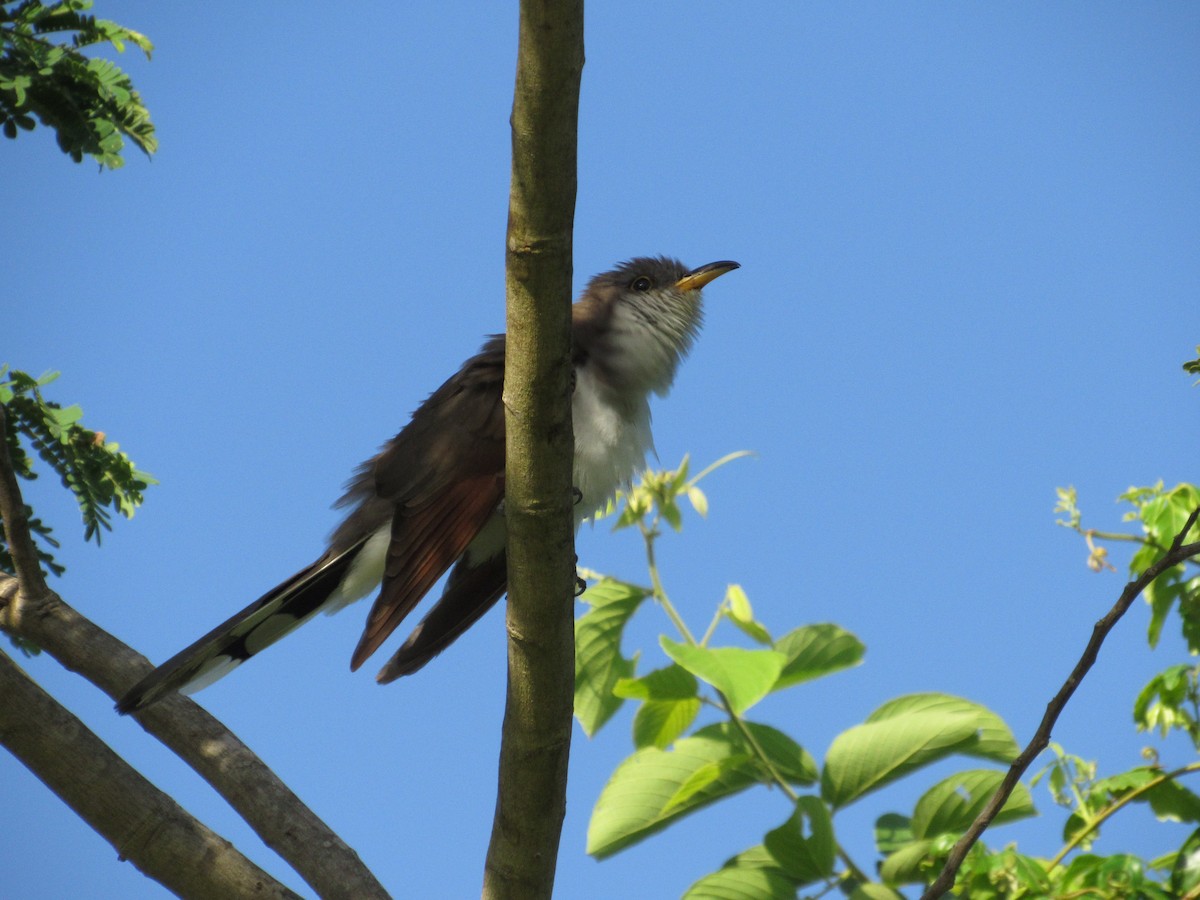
(432, 499)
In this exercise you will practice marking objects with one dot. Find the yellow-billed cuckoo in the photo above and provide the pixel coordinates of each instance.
(432, 498)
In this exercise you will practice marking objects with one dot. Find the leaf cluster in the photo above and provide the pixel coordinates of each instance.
(1192, 366)
(681, 765)
(102, 477)
(89, 101)
(684, 762)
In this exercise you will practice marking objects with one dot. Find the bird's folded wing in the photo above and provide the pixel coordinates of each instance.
(470, 592)
(444, 475)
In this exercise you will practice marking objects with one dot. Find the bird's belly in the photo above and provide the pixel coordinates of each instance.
(610, 443)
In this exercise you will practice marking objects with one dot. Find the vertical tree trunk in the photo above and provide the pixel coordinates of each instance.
(541, 574)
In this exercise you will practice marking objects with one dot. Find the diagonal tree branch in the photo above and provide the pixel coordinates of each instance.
(531, 801)
(31, 610)
(1177, 553)
(145, 825)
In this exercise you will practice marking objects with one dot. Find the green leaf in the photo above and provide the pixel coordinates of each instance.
(669, 683)
(872, 891)
(741, 614)
(599, 664)
(804, 846)
(739, 604)
(743, 676)
(1172, 801)
(813, 651)
(654, 787)
(951, 805)
(752, 875)
(892, 831)
(906, 865)
(658, 723)
(996, 741)
(698, 500)
(867, 757)
(1185, 874)
(702, 778)
(670, 512)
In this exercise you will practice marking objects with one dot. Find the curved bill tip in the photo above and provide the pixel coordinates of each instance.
(698, 278)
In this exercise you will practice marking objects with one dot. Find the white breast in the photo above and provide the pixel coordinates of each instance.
(611, 441)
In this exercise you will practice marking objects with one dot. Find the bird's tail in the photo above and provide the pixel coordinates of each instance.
(276, 613)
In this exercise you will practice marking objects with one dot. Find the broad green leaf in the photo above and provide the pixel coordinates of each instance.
(952, 804)
(752, 875)
(743, 676)
(1165, 516)
(668, 683)
(996, 741)
(653, 787)
(997, 875)
(892, 831)
(869, 756)
(703, 778)
(790, 760)
(599, 664)
(803, 845)
(1185, 874)
(872, 891)
(905, 866)
(752, 629)
(816, 650)
(658, 723)
(1172, 801)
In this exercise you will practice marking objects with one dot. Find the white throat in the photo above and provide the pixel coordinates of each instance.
(612, 438)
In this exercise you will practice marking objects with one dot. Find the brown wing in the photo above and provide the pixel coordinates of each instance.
(444, 476)
(471, 591)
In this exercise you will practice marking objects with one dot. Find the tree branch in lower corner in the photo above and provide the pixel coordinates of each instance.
(30, 609)
(1177, 553)
(144, 825)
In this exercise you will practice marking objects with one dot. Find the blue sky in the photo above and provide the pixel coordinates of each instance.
(969, 241)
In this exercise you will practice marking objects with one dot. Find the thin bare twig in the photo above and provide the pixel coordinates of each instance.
(1177, 553)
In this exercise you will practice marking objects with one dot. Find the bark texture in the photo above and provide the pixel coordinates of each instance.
(531, 800)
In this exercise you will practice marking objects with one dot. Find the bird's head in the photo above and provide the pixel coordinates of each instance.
(643, 316)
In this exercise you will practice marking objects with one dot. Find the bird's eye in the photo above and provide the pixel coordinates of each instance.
(642, 283)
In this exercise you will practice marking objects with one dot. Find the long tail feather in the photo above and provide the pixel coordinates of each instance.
(276, 613)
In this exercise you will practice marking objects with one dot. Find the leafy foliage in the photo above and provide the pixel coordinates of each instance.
(1193, 365)
(683, 764)
(102, 477)
(89, 101)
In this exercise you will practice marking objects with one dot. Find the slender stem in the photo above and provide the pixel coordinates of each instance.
(712, 626)
(1116, 805)
(1127, 538)
(1118, 536)
(649, 534)
(728, 457)
(1177, 553)
(857, 873)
